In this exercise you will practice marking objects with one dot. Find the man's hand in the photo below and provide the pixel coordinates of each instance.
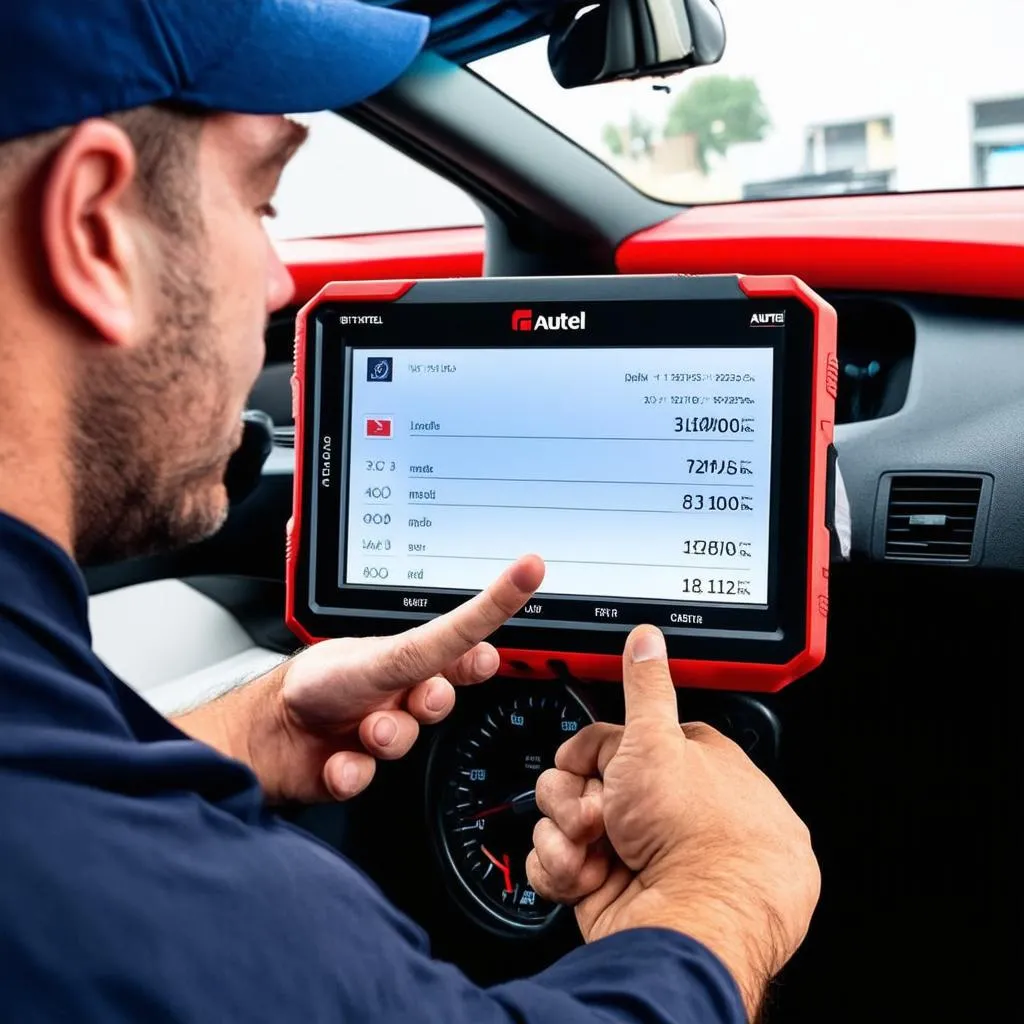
(657, 825)
(313, 728)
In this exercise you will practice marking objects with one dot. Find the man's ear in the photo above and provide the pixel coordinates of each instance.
(87, 237)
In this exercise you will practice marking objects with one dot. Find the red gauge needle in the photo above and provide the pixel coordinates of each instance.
(521, 804)
(492, 810)
(504, 866)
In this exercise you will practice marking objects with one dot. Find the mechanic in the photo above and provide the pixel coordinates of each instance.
(144, 876)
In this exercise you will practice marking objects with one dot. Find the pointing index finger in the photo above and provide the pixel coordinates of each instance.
(426, 650)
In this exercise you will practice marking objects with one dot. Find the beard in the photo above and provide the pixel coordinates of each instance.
(148, 453)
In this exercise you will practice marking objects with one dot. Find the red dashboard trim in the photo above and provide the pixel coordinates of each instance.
(950, 243)
(408, 255)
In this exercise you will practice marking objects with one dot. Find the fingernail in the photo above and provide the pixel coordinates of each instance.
(486, 661)
(349, 777)
(384, 731)
(436, 698)
(649, 645)
(523, 575)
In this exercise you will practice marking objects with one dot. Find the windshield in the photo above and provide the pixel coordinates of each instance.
(812, 97)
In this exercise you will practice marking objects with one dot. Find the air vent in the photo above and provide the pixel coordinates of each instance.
(933, 518)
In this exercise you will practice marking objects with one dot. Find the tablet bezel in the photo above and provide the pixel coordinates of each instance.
(764, 644)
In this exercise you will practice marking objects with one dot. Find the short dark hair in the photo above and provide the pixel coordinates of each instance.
(166, 141)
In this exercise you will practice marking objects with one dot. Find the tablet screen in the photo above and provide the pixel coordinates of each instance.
(637, 473)
(661, 442)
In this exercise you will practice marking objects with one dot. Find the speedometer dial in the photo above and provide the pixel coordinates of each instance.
(483, 780)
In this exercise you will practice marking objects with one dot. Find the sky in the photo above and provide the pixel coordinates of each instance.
(922, 62)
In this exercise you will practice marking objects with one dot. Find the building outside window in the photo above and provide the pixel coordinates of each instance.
(999, 142)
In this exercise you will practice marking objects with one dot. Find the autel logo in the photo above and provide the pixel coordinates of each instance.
(524, 320)
(767, 319)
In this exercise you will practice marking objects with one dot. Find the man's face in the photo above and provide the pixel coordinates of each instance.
(164, 418)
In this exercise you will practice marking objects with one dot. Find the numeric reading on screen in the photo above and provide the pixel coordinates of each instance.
(463, 461)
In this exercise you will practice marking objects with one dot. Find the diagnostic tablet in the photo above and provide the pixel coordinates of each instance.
(662, 442)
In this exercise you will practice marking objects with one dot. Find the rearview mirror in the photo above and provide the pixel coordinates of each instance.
(616, 39)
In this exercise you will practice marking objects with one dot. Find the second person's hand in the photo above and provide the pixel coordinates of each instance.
(653, 824)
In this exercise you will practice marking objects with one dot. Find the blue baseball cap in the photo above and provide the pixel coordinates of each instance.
(62, 61)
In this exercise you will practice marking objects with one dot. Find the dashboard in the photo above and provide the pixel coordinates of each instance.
(446, 831)
(942, 430)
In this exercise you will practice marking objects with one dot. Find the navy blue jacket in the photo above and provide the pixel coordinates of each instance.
(143, 879)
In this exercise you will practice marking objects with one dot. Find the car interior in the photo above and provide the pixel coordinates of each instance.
(900, 750)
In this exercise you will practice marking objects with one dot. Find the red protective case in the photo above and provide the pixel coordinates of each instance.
(719, 675)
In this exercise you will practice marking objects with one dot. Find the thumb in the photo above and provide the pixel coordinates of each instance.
(649, 692)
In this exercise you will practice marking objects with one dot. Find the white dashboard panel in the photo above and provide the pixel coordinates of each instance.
(172, 645)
